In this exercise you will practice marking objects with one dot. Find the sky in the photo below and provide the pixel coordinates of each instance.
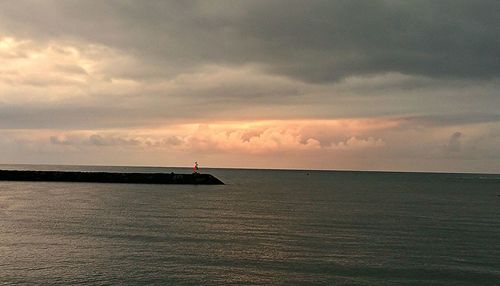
(410, 85)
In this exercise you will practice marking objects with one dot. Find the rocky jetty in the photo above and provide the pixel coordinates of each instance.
(104, 177)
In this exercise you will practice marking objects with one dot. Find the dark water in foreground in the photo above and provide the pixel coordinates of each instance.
(262, 228)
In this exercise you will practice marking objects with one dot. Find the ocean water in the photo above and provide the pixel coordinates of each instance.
(263, 227)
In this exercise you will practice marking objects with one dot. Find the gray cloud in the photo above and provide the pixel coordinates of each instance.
(450, 120)
(311, 40)
(99, 140)
(454, 143)
(59, 141)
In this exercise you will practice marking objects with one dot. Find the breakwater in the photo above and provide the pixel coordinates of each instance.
(105, 177)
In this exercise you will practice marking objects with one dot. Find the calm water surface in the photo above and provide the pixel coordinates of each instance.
(262, 228)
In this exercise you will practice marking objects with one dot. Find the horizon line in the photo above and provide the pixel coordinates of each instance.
(253, 168)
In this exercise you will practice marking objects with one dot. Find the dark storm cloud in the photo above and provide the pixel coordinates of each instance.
(311, 40)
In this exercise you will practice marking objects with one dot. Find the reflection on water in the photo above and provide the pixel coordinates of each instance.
(263, 227)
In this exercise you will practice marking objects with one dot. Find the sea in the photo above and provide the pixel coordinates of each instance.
(263, 227)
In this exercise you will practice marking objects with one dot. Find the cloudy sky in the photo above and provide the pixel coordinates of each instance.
(339, 84)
